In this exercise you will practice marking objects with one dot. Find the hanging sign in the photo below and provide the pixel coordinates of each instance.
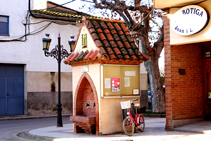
(189, 20)
(115, 84)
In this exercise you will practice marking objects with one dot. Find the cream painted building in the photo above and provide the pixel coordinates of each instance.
(29, 80)
(106, 71)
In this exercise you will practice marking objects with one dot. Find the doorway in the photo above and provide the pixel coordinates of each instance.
(206, 50)
(11, 89)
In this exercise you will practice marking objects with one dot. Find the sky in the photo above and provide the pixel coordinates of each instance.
(78, 5)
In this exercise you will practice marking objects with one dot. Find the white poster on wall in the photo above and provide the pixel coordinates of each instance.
(127, 81)
(130, 73)
(107, 83)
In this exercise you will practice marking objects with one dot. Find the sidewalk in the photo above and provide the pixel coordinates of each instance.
(154, 131)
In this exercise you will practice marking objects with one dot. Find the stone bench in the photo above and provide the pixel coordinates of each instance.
(87, 123)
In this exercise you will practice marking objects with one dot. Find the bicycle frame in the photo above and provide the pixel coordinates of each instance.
(136, 120)
(131, 122)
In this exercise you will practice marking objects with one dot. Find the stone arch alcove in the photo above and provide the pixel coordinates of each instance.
(86, 108)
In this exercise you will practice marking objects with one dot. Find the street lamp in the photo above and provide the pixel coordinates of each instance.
(71, 43)
(58, 53)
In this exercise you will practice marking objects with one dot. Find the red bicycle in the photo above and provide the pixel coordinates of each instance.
(135, 119)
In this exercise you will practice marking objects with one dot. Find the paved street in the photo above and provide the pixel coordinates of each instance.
(154, 131)
(9, 128)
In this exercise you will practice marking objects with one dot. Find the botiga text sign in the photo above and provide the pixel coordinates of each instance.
(189, 20)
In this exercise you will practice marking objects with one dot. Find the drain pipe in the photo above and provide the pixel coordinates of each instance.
(29, 4)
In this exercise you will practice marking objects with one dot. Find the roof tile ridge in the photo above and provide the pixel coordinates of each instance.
(66, 61)
(94, 54)
(73, 58)
(146, 57)
(88, 55)
(79, 56)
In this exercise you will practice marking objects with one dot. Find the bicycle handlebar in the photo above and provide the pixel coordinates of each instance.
(133, 100)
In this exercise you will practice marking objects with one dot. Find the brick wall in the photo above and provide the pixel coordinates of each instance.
(186, 89)
(183, 92)
(88, 101)
(86, 93)
(167, 52)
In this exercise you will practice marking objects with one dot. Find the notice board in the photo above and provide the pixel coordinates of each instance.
(120, 80)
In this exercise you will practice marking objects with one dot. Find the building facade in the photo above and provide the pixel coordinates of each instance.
(28, 79)
(187, 61)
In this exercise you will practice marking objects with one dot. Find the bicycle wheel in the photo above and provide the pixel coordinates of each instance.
(141, 127)
(128, 126)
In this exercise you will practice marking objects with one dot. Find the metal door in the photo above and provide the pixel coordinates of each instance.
(11, 89)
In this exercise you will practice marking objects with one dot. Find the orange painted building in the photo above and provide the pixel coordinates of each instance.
(187, 46)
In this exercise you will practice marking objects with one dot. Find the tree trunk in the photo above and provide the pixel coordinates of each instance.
(157, 93)
(158, 104)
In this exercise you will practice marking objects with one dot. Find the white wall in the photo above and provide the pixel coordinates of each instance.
(30, 52)
(90, 42)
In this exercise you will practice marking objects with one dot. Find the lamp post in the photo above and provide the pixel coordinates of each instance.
(58, 53)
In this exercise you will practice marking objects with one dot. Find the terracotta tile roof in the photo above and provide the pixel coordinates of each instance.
(88, 55)
(113, 40)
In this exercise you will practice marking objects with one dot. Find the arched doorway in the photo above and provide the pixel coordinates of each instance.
(86, 105)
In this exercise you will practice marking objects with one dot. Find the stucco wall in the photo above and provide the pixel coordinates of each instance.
(94, 73)
(42, 93)
(30, 51)
(90, 43)
(109, 108)
(204, 35)
(111, 115)
(45, 81)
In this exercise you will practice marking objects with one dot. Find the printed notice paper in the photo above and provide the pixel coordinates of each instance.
(130, 73)
(107, 83)
(127, 81)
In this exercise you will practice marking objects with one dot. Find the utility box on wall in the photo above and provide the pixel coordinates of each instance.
(120, 80)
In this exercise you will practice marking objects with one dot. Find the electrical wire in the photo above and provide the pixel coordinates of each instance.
(32, 33)
(62, 4)
(40, 29)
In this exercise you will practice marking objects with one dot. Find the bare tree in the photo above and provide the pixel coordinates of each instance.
(138, 15)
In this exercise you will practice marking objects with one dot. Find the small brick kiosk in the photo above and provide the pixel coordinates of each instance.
(187, 44)
(105, 65)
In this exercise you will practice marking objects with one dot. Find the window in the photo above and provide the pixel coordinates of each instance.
(4, 25)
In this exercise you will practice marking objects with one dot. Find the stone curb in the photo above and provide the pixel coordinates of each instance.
(155, 115)
(190, 131)
(31, 117)
(34, 137)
